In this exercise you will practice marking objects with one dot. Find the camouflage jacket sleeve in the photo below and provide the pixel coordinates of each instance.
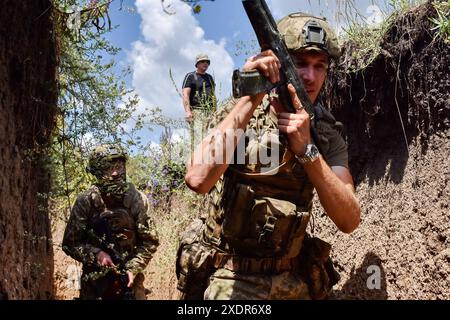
(76, 240)
(147, 236)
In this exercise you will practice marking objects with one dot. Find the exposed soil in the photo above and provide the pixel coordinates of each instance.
(28, 98)
(404, 191)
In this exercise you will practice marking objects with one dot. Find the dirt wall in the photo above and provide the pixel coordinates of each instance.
(403, 184)
(27, 108)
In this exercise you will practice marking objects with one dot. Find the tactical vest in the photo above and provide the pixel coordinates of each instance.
(114, 231)
(263, 215)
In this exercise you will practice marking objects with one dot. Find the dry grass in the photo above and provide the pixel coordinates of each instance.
(160, 273)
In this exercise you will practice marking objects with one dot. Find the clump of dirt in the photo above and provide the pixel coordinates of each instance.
(409, 80)
(402, 176)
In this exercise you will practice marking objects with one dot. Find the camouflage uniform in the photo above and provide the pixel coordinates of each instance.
(133, 238)
(253, 244)
(287, 196)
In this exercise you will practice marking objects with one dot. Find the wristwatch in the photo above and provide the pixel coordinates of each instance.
(311, 154)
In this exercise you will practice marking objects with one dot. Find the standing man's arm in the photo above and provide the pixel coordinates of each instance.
(186, 104)
(186, 94)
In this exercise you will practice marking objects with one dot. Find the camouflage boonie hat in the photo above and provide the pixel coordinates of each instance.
(102, 155)
(201, 57)
(302, 31)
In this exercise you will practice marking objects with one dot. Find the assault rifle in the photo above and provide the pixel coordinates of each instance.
(114, 284)
(250, 83)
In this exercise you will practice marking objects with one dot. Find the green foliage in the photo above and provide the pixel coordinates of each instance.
(442, 22)
(366, 39)
(367, 44)
(94, 103)
(69, 177)
(160, 172)
(403, 5)
(94, 100)
(196, 8)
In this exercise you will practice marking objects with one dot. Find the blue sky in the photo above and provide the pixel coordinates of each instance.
(153, 42)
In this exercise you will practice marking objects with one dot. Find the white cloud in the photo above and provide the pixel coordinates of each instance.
(172, 42)
(154, 146)
(375, 15)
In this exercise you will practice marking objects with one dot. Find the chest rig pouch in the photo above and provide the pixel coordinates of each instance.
(262, 226)
(116, 233)
(113, 230)
(260, 219)
(194, 262)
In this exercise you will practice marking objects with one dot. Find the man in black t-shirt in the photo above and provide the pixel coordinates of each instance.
(199, 99)
(198, 88)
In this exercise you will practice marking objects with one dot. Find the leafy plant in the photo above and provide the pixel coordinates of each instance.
(94, 102)
(160, 171)
(442, 21)
(366, 39)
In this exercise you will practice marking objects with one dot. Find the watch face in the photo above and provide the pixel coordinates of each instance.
(312, 151)
(311, 154)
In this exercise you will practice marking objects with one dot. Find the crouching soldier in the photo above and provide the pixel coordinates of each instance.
(253, 243)
(110, 231)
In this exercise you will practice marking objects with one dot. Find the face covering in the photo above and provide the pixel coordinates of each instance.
(115, 187)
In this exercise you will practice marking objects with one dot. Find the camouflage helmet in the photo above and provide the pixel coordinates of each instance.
(302, 31)
(102, 155)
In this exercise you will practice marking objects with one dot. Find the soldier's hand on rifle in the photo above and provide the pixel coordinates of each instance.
(295, 125)
(267, 63)
(104, 259)
(130, 279)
